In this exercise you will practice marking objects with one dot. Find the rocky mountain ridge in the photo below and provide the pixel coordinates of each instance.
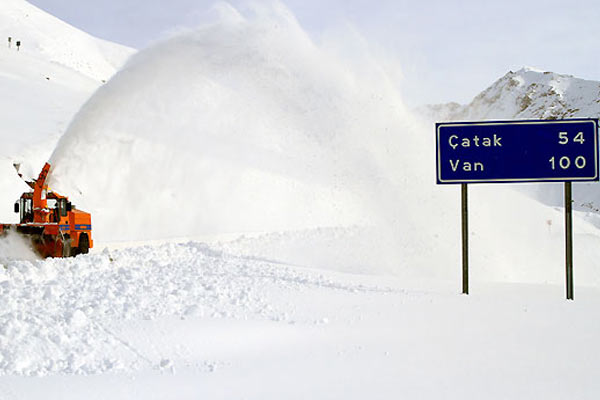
(525, 94)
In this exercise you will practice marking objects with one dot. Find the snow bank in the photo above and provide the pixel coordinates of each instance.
(62, 315)
(186, 309)
(244, 124)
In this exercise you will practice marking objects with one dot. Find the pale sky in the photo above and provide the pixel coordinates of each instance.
(446, 50)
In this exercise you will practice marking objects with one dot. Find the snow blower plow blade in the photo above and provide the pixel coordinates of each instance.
(54, 226)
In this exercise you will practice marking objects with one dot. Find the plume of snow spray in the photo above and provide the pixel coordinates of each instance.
(244, 124)
(16, 247)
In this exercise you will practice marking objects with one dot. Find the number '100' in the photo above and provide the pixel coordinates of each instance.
(565, 162)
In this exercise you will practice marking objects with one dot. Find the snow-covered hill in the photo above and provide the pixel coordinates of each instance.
(46, 36)
(526, 94)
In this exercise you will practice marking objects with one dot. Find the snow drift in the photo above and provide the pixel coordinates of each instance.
(244, 124)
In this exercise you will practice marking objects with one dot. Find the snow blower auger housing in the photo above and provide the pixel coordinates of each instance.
(55, 227)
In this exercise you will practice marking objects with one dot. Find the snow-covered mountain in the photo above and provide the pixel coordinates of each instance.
(526, 93)
(47, 37)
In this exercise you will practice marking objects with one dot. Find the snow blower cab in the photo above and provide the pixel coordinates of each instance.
(55, 226)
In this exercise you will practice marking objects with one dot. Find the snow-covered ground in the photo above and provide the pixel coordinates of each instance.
(267, 225)
(188, 320)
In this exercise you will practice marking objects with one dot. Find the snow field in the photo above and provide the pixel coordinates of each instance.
(58, 314)
(189, 320)
(513, 238)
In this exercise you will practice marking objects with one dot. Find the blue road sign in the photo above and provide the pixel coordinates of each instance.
(517, 151)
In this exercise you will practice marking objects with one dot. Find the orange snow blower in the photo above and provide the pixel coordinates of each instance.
(55, 227)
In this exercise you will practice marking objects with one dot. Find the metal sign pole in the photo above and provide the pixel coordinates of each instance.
(465, 238)
(569, 239)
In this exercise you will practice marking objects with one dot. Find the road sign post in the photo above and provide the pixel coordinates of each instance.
(569, 240)
(518, 151)
(465, 237)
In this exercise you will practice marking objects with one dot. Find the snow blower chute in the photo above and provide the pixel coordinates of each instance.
(55, 227)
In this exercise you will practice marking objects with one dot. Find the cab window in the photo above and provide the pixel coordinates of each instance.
(26, 210)
(62, 207)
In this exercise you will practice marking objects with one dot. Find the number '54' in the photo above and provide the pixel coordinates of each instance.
(563, 138)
